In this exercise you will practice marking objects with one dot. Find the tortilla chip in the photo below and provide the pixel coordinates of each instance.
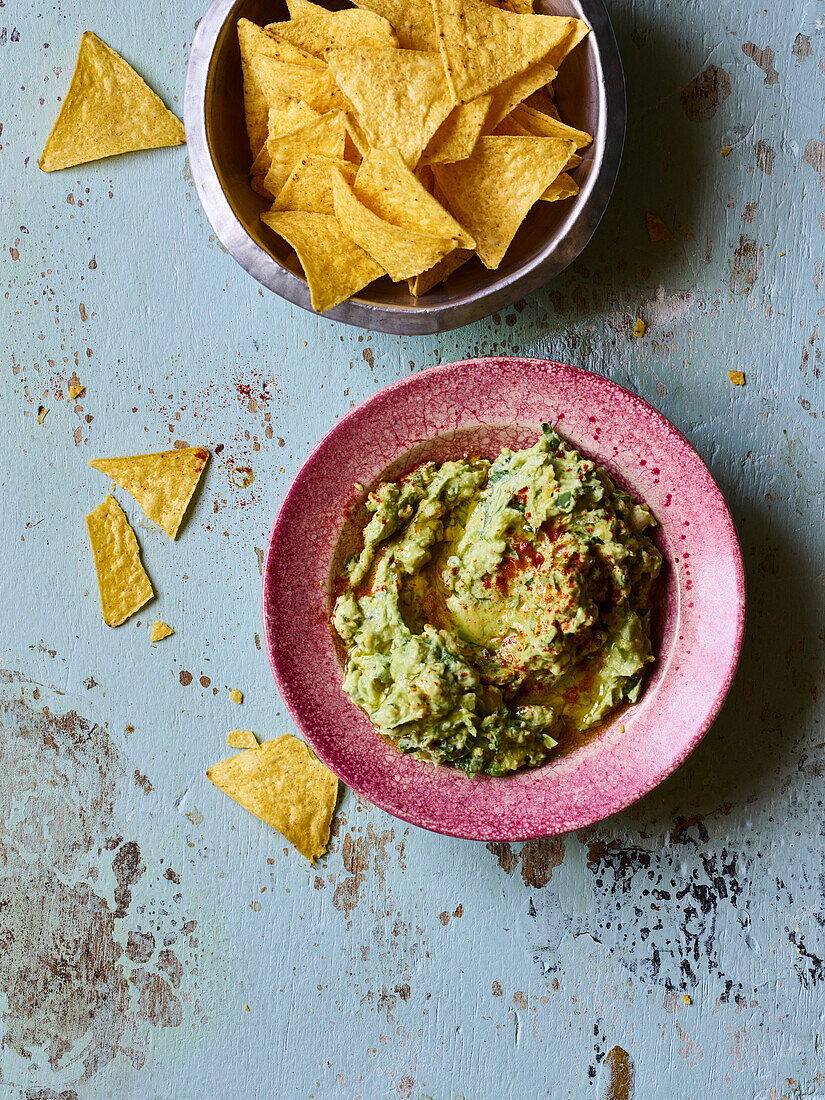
(108, 109)
(482, 46)
(491, 193)
(76, 391)
(236, 696)
(335, 267)
(412, 21)
(737, 377)
(457, 135)
(303, 9)
(326, 135)
(656, 228)
(400, 251)
(284, 118)
(515, 90)
(335, 29)
(440, 272)
(160, 631)
(242, 739)
(522, 7)
(542, 100)
(528, 121)
(640, 328)
(255, 42)
(309, 187)
(286, 786)
(399, 97)
(122, 580)
(562, 187)
(313, 86)
(42, 413)
(389, 189)
(162, 484)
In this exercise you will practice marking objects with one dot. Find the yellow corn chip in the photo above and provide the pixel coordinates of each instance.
(326, 135)
(284, 785)
(440, 272)
(737, 377)
(236, 696)
(255, 42)
(399, 97)
(491, 193)
(122, 580)
(76, 391)
(333, 29)
(513, 91)
(542, 100)
(528, 121)
(389, 189)
(284, 118)
(309, 187)
(412, 21)
(160, 631)
(302, 9)
(482, 46)
(457, 135)
(162, 484)
(401, 252)
(522, 7)
(242, 739)
(314, 86)
(108, 109)
(640, 328)
(335, 267)
(562, 187)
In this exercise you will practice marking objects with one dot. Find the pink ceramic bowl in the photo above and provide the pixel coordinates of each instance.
(482, 405)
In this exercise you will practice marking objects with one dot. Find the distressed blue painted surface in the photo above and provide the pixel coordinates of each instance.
(143, 912)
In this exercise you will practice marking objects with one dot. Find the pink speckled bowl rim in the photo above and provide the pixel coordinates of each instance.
(705, 614)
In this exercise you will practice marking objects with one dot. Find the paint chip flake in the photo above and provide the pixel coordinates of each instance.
(656, 228)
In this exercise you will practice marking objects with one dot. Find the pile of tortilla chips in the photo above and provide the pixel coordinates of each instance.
(402, 137)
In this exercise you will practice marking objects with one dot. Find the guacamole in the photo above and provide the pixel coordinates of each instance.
(496, 607)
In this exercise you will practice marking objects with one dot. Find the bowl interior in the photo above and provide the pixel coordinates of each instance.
(580, 102)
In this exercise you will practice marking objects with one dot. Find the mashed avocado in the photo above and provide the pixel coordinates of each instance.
(496, 606)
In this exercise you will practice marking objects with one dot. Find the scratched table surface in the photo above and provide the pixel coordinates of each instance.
(157, 941)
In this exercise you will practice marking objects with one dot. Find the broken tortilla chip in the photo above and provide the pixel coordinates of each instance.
(401, 252)
(318, 33)
(286, 786)
(236, 696)
(242, 739)
(76, 391)
(737, 377)
(108, 109)
(162, 483)
(440, 272)
(399, 97)
(562, 187)
(334, 266)
(160, 631)
(309, 187)
(483, 46)
(122, 580)
(491, 193)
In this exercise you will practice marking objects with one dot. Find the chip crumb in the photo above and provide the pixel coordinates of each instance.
(725, 151)
(737, 377)
(236, 696)
(160, 631)
(656, 228)
(42, 413)
(621, 729)
(242, 739)
(76, 391)
(246, 1008)
(687, 1000)
(640, 328)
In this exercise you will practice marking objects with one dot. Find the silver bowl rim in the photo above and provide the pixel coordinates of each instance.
(418, 318)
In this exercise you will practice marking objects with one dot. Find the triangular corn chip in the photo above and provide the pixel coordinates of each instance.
(457, 135)
(285, 117)
(441, 272)
(399, 97)
(255, 42)
(160, 631)
(313, 86)
(412, 21)
(162, 483)
(389, 189)
(302, 9)
(283, 784)
(309, 187)
(319, 33)
(401, 252)
(482, 46)
(335, 267)
(529, 122)
(326, 135)
(108, 109)
(522, 7)
(242, 739)
(562, 187)
(122, 580)
(513, 91)
(542, 100)
(492, 192)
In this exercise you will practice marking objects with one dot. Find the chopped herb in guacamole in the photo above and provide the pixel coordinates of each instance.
(497, 606)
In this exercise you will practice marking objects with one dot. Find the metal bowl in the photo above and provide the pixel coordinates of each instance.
(590, 93)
